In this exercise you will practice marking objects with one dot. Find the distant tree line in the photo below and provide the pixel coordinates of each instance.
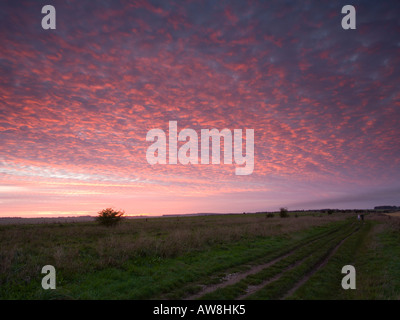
(390, 208)
(284, 211)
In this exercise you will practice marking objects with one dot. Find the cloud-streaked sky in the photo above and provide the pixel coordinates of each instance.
(77, 102)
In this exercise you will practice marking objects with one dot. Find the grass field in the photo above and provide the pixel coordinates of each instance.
(204, 257)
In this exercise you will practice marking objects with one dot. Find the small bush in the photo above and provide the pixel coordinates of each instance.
(284, 213)
(109, 217)
(269, 215)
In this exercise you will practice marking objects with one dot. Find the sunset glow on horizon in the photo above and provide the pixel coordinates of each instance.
(77, 102)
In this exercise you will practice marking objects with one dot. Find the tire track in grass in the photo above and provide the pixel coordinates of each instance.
(317, 267)
(254, 288)
(234, 278)
(266, 285)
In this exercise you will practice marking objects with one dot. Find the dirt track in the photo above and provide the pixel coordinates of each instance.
(315, 253)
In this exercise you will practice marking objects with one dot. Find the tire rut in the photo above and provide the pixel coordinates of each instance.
(233, 278)
(253, 289)
(236, 277)
(317, 266)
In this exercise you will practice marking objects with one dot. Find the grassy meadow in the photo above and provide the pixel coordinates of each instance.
(249, 256)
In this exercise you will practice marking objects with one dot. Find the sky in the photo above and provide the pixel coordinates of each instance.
(77, 102)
